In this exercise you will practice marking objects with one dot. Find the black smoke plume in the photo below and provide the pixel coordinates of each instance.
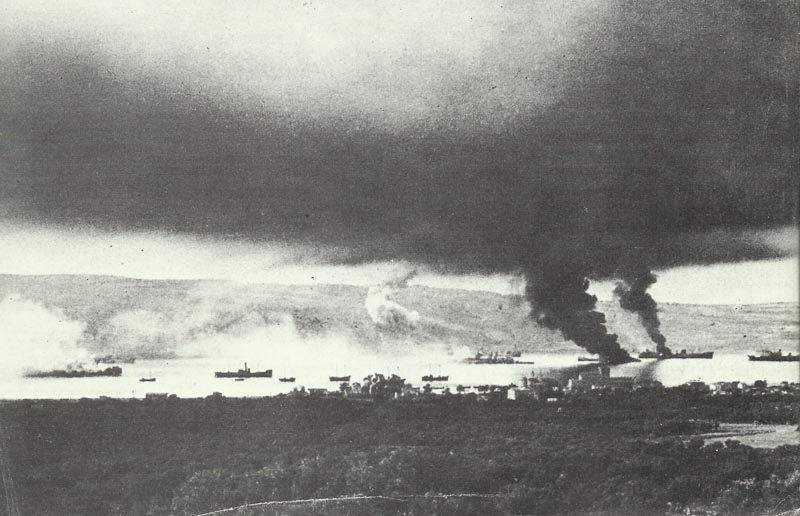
(633, 297)
(666, 127)
(557, 292)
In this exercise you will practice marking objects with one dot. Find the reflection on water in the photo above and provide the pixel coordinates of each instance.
(195, 377)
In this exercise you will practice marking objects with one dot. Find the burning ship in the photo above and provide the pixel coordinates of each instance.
(650, 354)
(244, 373)
(493, 358)
(75, 372)
(668, 354)
(774, 356)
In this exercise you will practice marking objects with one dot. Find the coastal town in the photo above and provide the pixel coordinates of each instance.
(590, 381)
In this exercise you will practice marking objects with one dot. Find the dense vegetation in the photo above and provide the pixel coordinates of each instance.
(622, 454)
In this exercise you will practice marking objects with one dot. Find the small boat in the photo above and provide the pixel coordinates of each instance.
(238, 379)
(287, 379)
(147, 379)
(432, 378)
(774, 356)
(339, 378)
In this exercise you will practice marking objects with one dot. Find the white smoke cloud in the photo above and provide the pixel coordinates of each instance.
(164, 332)
(216, 323)
(384, 311)
(35, 337)
(277, 344)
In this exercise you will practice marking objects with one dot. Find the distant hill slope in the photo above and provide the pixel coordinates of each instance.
(155, 317)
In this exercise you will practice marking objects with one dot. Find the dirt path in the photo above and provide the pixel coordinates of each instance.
(757, 436)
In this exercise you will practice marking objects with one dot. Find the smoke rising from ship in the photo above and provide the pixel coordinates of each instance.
(585, 128)
(34, 337)
(559, 301)
(633, 297)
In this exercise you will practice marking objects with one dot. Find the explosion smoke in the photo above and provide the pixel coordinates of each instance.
(384, 311)
(633, 297)
(39, 338)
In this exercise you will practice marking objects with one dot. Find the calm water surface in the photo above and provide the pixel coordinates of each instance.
(195, 377)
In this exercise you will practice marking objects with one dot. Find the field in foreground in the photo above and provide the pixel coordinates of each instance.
(610, 454)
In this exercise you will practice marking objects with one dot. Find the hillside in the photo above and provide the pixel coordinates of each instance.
(164, 318)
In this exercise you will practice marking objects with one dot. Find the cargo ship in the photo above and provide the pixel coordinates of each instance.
(682, 354)
(76, 372)
(493, 358)
(339, 378)
(432, 378)
(774, 356)
(244, 373)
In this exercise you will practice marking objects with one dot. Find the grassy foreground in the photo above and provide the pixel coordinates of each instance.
(634, 453)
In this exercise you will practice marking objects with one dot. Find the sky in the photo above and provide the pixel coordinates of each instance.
(547, 140)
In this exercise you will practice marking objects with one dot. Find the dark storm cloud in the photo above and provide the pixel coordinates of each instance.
(620, 133)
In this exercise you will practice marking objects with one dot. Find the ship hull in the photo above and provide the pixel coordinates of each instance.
(793, 358)
(706, 355)
(110, 371)
(254, 374)
(480, 361)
